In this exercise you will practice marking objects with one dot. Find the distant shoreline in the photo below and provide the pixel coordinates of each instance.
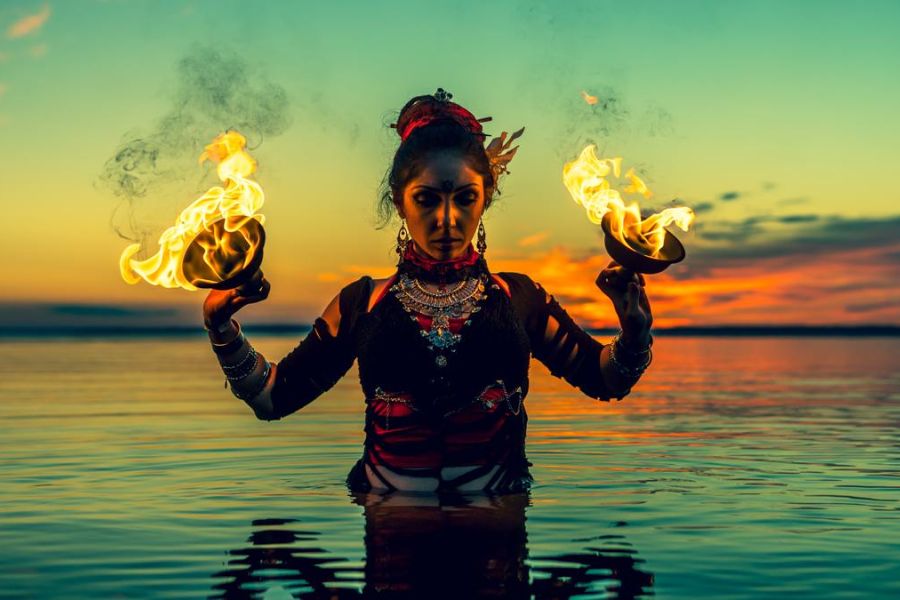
(280, 330)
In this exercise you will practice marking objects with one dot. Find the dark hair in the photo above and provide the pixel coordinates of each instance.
(443, 134)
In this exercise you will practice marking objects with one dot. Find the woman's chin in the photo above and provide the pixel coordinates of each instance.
(444, 251)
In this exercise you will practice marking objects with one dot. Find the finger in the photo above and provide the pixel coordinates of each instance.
(632, 277)
(615, 277)
(261, 291)
(627, 276)
(632, 296)
(608, 280)
(264, 289)
(645, 301)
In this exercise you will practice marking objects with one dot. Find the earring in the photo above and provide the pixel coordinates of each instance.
(402, 238)
(482, 238)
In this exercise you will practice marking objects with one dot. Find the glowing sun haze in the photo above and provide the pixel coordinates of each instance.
(776, 122)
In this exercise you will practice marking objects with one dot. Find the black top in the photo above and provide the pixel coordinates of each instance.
(496, 345)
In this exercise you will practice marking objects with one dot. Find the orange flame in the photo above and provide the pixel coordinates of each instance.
(587, 179)
(592, 100)
(218, 220)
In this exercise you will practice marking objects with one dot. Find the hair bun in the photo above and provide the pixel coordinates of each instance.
(423, 110)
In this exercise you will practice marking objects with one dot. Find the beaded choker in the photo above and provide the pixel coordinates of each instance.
(418, 265)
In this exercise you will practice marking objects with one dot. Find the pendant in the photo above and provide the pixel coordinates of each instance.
(440, 335)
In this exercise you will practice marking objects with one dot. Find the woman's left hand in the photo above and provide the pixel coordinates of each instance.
(626, 290)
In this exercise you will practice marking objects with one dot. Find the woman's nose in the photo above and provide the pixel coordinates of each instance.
(447, 214)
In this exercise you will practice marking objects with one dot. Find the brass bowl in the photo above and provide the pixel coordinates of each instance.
(671, 253)
(235, 269)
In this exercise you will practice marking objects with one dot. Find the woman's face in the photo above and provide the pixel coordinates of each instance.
(442, 205)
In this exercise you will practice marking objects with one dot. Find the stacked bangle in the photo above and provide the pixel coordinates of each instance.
(230, 346)
(625, 369)
(239, 374)
(243, 368)
(252, 392)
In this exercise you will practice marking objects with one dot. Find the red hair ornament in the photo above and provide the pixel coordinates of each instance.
(422, 110)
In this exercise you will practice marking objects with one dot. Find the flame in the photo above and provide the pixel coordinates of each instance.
(592, 100)
(219, 221)
(587, 179)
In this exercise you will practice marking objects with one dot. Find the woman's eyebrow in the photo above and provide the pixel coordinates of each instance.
(439, 189)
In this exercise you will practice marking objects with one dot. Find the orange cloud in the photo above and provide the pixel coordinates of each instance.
(841, 287)
(592, 100)
(29, 24)
(535, 238)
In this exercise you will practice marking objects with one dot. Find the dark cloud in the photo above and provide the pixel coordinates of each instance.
(738, 243)
(793, 201)
(703, 207)
(873, 285)
(216, 90)
(723, 298)
(100, 310)
(734, 232)
(572, 299)
(798, 218)
(48, 316)
(751, 227)
(864, 307)
(733, 195)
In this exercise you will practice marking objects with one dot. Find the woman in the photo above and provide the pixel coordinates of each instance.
(443, 344)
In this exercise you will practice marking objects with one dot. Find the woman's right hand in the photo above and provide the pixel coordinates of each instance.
(221, 305)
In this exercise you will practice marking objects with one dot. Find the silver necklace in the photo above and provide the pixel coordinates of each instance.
(441, 306)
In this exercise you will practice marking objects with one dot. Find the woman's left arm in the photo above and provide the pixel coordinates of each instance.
(601, 371)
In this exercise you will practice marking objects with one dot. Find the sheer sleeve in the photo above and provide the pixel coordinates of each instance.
(321, 359)
(567, 350)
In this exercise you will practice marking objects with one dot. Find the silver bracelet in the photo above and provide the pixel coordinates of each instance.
(626, 371)
(251, 393)
(230, 368)
(243, 368)
(643, 352)
(231, 346)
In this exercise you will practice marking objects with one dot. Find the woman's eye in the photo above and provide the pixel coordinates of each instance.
(468, 198)
(425, 198)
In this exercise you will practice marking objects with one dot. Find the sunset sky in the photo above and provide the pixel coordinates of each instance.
(777, 121)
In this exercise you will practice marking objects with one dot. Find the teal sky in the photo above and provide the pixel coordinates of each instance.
(790, 106)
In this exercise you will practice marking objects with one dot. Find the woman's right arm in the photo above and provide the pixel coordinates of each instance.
(276, 390)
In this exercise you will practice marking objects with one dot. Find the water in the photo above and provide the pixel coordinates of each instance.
(739, 468)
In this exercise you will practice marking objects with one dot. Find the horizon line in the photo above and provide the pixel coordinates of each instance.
(285, 329)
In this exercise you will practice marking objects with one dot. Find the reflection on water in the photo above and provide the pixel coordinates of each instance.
(426, 547)
(740, 468)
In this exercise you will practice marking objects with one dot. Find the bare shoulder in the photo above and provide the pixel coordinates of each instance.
(332, 312)
(520, 283)
(378, 290)
(332, 315)
(498, 278)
